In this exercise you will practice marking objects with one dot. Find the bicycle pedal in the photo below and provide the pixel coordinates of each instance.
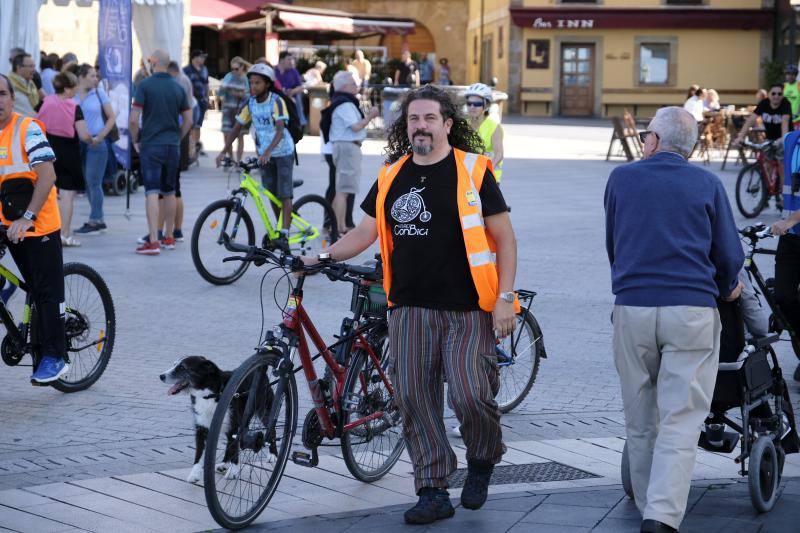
(305, 459)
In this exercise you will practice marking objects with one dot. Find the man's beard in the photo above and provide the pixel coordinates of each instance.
(422, 149)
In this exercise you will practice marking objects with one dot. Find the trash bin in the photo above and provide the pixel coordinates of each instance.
(317, 101)
(391, 97)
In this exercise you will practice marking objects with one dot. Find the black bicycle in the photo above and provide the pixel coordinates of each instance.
(778, 322)
(89, 323)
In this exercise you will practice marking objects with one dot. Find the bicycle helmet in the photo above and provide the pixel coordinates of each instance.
(262, 70)
(790, 69)
(479, 89)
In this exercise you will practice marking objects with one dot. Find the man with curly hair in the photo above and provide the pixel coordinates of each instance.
(449, 257)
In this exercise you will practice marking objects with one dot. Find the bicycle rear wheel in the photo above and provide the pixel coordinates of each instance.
(222, 216)
(751, 191)
(246, 453)
(370, 448)
(90, 327)
(313, 226)
(518, 357)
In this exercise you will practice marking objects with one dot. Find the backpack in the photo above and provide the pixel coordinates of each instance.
(294, 127)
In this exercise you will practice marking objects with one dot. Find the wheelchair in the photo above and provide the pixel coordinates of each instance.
(749, 380)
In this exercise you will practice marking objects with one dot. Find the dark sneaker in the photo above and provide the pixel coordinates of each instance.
(654, 526)
(433, 505)
(102, 226)
(476, 486)
(177, 235)
(146, 238)
(50, 369)
(88, 229)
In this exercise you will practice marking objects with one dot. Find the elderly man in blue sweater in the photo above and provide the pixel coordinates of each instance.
(674, 250)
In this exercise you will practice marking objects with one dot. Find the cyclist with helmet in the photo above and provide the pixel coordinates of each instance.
(479, 98)
(269, 116)
(791, 92)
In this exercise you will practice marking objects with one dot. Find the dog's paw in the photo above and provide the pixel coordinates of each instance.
(233, 472)
(196, 474)
(272, 459)
(222, 467)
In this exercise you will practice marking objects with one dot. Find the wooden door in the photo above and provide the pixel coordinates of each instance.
(577, 80)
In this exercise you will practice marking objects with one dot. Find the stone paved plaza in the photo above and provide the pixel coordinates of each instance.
(126, 425)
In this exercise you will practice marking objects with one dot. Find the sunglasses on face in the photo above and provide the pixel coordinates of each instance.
(472, 103)
(643, 135)
(776, 94)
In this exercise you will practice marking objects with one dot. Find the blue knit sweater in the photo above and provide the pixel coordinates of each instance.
(670, 234)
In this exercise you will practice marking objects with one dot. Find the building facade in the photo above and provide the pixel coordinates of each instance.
(596, 58)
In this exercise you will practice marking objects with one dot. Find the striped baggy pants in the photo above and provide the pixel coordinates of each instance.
(425, 345)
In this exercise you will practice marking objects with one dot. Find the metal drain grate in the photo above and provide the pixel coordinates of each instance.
(528, 473)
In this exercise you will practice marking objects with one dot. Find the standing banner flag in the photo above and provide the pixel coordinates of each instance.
(115, 58)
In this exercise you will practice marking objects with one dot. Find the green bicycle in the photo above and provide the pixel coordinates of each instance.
(313, 227)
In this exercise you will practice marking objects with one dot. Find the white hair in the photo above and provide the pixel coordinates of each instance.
(342, 78)
(676, 129)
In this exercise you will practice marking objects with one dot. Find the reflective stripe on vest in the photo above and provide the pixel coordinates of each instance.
(18, 164)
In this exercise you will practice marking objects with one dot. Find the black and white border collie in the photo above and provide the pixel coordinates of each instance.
(204, 381)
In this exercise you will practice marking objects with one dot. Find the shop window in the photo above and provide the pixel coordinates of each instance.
(655, 63)
(500, 42)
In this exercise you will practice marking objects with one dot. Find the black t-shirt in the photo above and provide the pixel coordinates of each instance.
(772, 117)
(429, 257)
(407, 73)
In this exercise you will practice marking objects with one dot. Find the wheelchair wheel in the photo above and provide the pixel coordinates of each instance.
(763, 474)
(625, 473)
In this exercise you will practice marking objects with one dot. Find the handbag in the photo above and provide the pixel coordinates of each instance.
(113, 134)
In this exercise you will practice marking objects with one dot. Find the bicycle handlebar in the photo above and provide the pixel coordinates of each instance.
(757, 232)
(334, 271)
(251, 163)
(758, 146)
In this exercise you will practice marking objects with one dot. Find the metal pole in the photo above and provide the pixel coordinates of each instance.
(480, 47)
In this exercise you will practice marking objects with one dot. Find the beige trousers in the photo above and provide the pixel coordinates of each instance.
(667, 359)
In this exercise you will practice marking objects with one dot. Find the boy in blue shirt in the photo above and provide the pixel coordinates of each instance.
(267, 113)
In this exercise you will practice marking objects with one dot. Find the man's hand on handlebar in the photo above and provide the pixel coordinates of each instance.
(781, 227)
(16, 232)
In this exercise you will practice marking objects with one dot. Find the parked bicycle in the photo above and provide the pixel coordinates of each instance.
(778, 322)
(758, 181)
(250, 438)
(313, 226)
(90, 325)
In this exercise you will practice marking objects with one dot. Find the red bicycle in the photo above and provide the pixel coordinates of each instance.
(758, 181)
(250, 437)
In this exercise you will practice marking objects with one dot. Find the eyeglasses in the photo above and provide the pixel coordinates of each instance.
(776, 94)
(473, 103)
(643, 135)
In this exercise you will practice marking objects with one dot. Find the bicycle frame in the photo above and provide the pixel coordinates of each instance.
(306, 230)
(18, 334)
(296, 323)
(769, 167)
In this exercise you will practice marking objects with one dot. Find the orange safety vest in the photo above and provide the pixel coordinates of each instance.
(480, 247)
(14, 164)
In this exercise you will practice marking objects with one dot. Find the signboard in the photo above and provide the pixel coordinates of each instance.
(538, 54)
(115, 57)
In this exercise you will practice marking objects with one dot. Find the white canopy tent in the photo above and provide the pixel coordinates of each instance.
(19, 27)
(157, 23)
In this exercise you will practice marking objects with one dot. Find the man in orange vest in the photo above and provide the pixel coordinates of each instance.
(449, 258)
(30, 212)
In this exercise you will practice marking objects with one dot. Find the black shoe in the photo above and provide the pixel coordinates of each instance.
(281, 243)
(177, 235)
(797, 373)
(433, 505)
(654, 526)
(476, 487)
(88, 228)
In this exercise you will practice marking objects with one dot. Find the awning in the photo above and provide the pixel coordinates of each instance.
(612, 18)
(216, 12)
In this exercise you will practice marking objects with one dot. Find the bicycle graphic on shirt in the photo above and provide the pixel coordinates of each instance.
(409, 206)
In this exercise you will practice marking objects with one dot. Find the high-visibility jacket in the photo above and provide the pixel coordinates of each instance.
(480, 247)
(14, 164)
(486, 132)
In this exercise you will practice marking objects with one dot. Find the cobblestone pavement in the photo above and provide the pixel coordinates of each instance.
(126, 424)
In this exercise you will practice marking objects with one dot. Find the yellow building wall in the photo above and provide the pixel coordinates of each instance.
(445, 19)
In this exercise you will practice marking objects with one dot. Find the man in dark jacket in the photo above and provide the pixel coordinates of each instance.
(673, 249)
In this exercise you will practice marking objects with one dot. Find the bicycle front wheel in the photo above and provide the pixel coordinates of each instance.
(518, 357)
(372, 438)
(90, 326)
(313, 226)
(221, 217)
(249, 441)
(751, 191)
